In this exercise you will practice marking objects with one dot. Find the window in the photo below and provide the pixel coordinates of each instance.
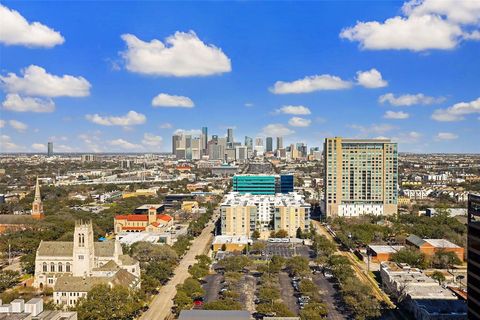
(45, 267)
(80, 257)
(81, 240)
(67, 267)
(60, 267)
(52, 267)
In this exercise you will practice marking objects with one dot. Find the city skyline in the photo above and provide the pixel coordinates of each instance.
(305, 72)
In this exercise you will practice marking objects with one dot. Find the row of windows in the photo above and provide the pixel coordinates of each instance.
(59, 267)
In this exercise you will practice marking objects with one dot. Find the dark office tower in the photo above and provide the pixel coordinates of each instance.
(175, 143)
(204, 138)
(269, 144)
(279, 143)
(473, 277)
(50, 149)
(230, 136)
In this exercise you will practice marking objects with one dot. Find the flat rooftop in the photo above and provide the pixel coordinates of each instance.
(235, 199)
(441, 243)
(385, 249)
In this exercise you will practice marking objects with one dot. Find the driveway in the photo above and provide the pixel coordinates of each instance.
(287, 292)
(248, 285)
(212, 286)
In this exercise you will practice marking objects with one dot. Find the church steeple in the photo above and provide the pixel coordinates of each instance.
(37, 205)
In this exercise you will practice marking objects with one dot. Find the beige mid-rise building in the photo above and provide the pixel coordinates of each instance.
(241, 214)
(361, 177)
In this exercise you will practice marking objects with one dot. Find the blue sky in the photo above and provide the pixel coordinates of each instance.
(302, 70)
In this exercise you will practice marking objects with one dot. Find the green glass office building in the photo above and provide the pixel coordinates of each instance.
(254, 184)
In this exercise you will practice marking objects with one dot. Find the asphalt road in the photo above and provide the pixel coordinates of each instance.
(162, 304)
(329, 296)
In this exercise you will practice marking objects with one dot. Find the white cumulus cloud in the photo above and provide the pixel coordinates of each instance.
(16, 30)
(400, 115)
(193, 132)
(371, 79)
(6, 144)
(373, 129)
(296, 110)
(2, 123)
(165, 125)
(167, 100)
(17, 103)
(311, 84)
(181, 55)
(427, 24)
(276, 130)
(446, 136)
(18, 125)
(457, 112)
(151, 140)
(461, 12)
(39, 147)
(132, 118)
(409, 99)
(124, 144)
(36, 81)
(299, 122)
(411, 137)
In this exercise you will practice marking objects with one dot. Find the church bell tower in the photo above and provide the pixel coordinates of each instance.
(37, 205)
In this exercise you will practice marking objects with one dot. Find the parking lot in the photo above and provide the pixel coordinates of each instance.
(287, 293)
(212, 287)
(286, 250)
(330, 297)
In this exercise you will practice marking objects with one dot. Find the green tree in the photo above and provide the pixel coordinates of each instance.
(258, 246)
(223, 304)
(268, 295)
(445, 259)
(204, 260)
(308, 288)
(8, 279)
(148, 252)
(255, 234)
(299, 233)
(298, 266)
(198, 271)
(314, 311)
(104, 303)
(439, 276)
(281, 234)
(323, 246)
(411, 256)
(235, 263)
(192, 288)
(182, 300)
(359, 299)
(160, 270)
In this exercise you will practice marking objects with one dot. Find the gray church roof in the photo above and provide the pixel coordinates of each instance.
(65, 249)
(85, 284)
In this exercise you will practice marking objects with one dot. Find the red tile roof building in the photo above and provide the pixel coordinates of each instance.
(151, 222)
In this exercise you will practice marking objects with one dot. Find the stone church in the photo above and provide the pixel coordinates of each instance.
(73, 268)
